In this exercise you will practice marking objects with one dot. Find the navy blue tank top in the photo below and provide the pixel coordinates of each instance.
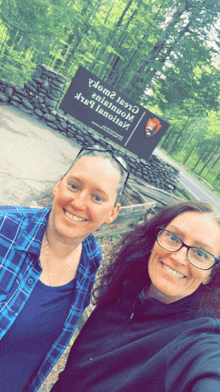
(32, 334)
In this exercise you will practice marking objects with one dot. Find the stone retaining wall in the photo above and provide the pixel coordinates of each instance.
(41, 95)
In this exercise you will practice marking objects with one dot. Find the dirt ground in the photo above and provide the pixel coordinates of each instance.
(53, 376)
(33, 157)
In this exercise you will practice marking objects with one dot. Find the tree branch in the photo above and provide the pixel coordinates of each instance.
(14, 25)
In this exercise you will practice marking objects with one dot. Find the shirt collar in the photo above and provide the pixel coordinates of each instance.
(133, 292)
(32, 231)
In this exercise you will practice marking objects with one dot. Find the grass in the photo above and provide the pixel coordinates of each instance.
(180, 191)
(113, 238)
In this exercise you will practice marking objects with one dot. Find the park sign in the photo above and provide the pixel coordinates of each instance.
(105, 109)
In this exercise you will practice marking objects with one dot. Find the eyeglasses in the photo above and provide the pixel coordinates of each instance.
(198, 257)
(117, 158)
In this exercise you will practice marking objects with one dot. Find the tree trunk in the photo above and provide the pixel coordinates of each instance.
(163, 58)
(197, 162)
(172, 147)
(209, 159)
(217, 177)
(187, 142)
(214, 163)
(202, 156)
(111, 35)
(102, 50)
(167, 136)
(160, 45)
(145, 36)
(188, 155)
(117, 46)
(124, 70)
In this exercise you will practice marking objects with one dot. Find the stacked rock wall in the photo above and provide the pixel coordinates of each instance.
(41, 95)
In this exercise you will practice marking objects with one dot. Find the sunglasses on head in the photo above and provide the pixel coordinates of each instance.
(117, 158)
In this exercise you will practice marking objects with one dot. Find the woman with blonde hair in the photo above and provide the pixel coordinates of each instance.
(48, 262)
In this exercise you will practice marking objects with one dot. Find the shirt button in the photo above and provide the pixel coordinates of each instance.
(30, 281)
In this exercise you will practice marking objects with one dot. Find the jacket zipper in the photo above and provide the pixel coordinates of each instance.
(132, 314)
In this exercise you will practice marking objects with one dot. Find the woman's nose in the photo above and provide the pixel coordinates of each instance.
(79, 200)
(181, 255)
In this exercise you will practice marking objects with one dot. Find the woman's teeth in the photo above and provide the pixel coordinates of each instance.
(172, 271)
(74, 217)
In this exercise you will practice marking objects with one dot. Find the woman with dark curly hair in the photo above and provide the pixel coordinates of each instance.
(155, 327)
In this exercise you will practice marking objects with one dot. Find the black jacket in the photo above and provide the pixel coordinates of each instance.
(143, 345)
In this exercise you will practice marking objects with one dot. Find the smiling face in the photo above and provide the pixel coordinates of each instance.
(172, 276)
(84, 199)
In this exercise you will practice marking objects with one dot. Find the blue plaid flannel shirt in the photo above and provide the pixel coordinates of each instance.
(21, 233)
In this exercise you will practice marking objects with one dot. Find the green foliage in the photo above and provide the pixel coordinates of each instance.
(180, 191)
(116, 237)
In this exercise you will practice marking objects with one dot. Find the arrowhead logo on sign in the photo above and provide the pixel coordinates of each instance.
(152, 127)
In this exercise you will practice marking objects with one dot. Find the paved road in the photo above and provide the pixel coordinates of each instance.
(32, 157)
(194, 187)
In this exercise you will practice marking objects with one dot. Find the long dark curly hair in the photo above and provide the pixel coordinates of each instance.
(130, 258)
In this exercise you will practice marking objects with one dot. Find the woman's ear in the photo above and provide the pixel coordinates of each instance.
(56, 187)
(207, 279)
(113, 215)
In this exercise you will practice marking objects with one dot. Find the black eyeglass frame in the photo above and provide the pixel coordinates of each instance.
(217, 261)
(113, 156)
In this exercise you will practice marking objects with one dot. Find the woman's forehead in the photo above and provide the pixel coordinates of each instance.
(194, 218)
(98, 162)
(96, 171)
(199, 227)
